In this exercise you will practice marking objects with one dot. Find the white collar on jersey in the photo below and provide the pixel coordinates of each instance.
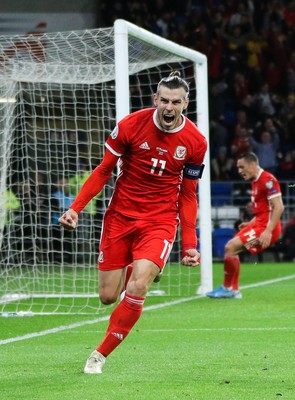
(258, 175)
(165, 130)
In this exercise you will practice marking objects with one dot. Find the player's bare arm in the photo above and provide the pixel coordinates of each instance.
(277, 209)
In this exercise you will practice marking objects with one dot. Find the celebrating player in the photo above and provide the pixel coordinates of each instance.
(259, 233)
(161, 154)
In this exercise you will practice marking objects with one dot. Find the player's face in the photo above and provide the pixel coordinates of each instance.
(247, 170)
(170, 105)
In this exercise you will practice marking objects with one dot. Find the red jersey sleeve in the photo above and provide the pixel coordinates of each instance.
(188, 210)
(95, 182)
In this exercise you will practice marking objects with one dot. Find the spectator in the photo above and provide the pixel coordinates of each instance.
(266, 150)
(34, 218)
(61, 199)
(287, 242)
(219, 134)
(242, 122)
(240, 143)
(217, 99)
(241, 86)
(9, 206)
(265, 102)
(286, 168)
(221, 165)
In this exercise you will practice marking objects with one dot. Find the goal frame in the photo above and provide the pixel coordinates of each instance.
(123, 29)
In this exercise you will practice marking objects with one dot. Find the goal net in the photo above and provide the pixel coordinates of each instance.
(59, 100)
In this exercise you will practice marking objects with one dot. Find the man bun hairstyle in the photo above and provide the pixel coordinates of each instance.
(174, 81)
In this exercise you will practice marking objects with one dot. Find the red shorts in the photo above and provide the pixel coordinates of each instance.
(124, 240)
(253, 231)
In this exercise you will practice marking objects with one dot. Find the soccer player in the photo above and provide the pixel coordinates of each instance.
(160, 153)
(259, 233)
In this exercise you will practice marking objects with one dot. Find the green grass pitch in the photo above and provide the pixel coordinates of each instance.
(189, 348)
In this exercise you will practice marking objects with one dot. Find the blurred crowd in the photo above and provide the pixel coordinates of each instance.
(251, 66)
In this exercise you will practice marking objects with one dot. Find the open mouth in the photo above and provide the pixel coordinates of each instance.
(168, 118)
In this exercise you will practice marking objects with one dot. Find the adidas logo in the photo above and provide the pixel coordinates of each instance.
(144, 146)
(119, 336)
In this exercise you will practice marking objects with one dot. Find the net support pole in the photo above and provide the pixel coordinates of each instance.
(121, 69)
(205, 221)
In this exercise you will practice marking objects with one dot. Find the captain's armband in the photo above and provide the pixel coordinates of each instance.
(193, 172)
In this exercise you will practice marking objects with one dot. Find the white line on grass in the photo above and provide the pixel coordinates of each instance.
(153, 307)
(217, 329)
(254, 329)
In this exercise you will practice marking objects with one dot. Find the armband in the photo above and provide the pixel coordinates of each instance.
(193, 172)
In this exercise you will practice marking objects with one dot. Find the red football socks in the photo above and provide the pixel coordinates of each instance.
(231, 272)
(122, 320)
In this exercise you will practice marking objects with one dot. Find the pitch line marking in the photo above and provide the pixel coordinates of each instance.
(257, 329)
(263, 329)
(152, 307)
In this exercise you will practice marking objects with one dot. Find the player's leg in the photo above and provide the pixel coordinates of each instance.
(143, 274)
(156, 243)
(129, 310)
(230, 287)
(110, 287)
(129, 269)
(114, 256)
(111, 284)
(232, 266)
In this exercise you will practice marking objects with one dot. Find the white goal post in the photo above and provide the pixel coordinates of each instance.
(61, 94)
(122, 30)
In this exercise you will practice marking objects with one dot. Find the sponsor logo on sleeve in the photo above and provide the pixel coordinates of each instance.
(269, 184)
(115, 132)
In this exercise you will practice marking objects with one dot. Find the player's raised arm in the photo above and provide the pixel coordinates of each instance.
(93, 185)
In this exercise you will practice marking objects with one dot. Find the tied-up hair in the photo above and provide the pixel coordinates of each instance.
(174, 81)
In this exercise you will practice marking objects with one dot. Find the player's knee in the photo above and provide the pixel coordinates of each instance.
(107, 297)
(138, 287)
(229, 248)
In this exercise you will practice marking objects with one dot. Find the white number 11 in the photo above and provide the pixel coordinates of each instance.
(155, 165)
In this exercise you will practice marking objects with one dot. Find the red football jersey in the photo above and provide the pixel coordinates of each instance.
(264, 188)
(151, 164)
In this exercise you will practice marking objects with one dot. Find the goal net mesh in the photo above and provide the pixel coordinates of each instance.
(57, 107)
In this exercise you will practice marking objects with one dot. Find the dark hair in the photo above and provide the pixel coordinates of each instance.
(174, 81)
(249, 157)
